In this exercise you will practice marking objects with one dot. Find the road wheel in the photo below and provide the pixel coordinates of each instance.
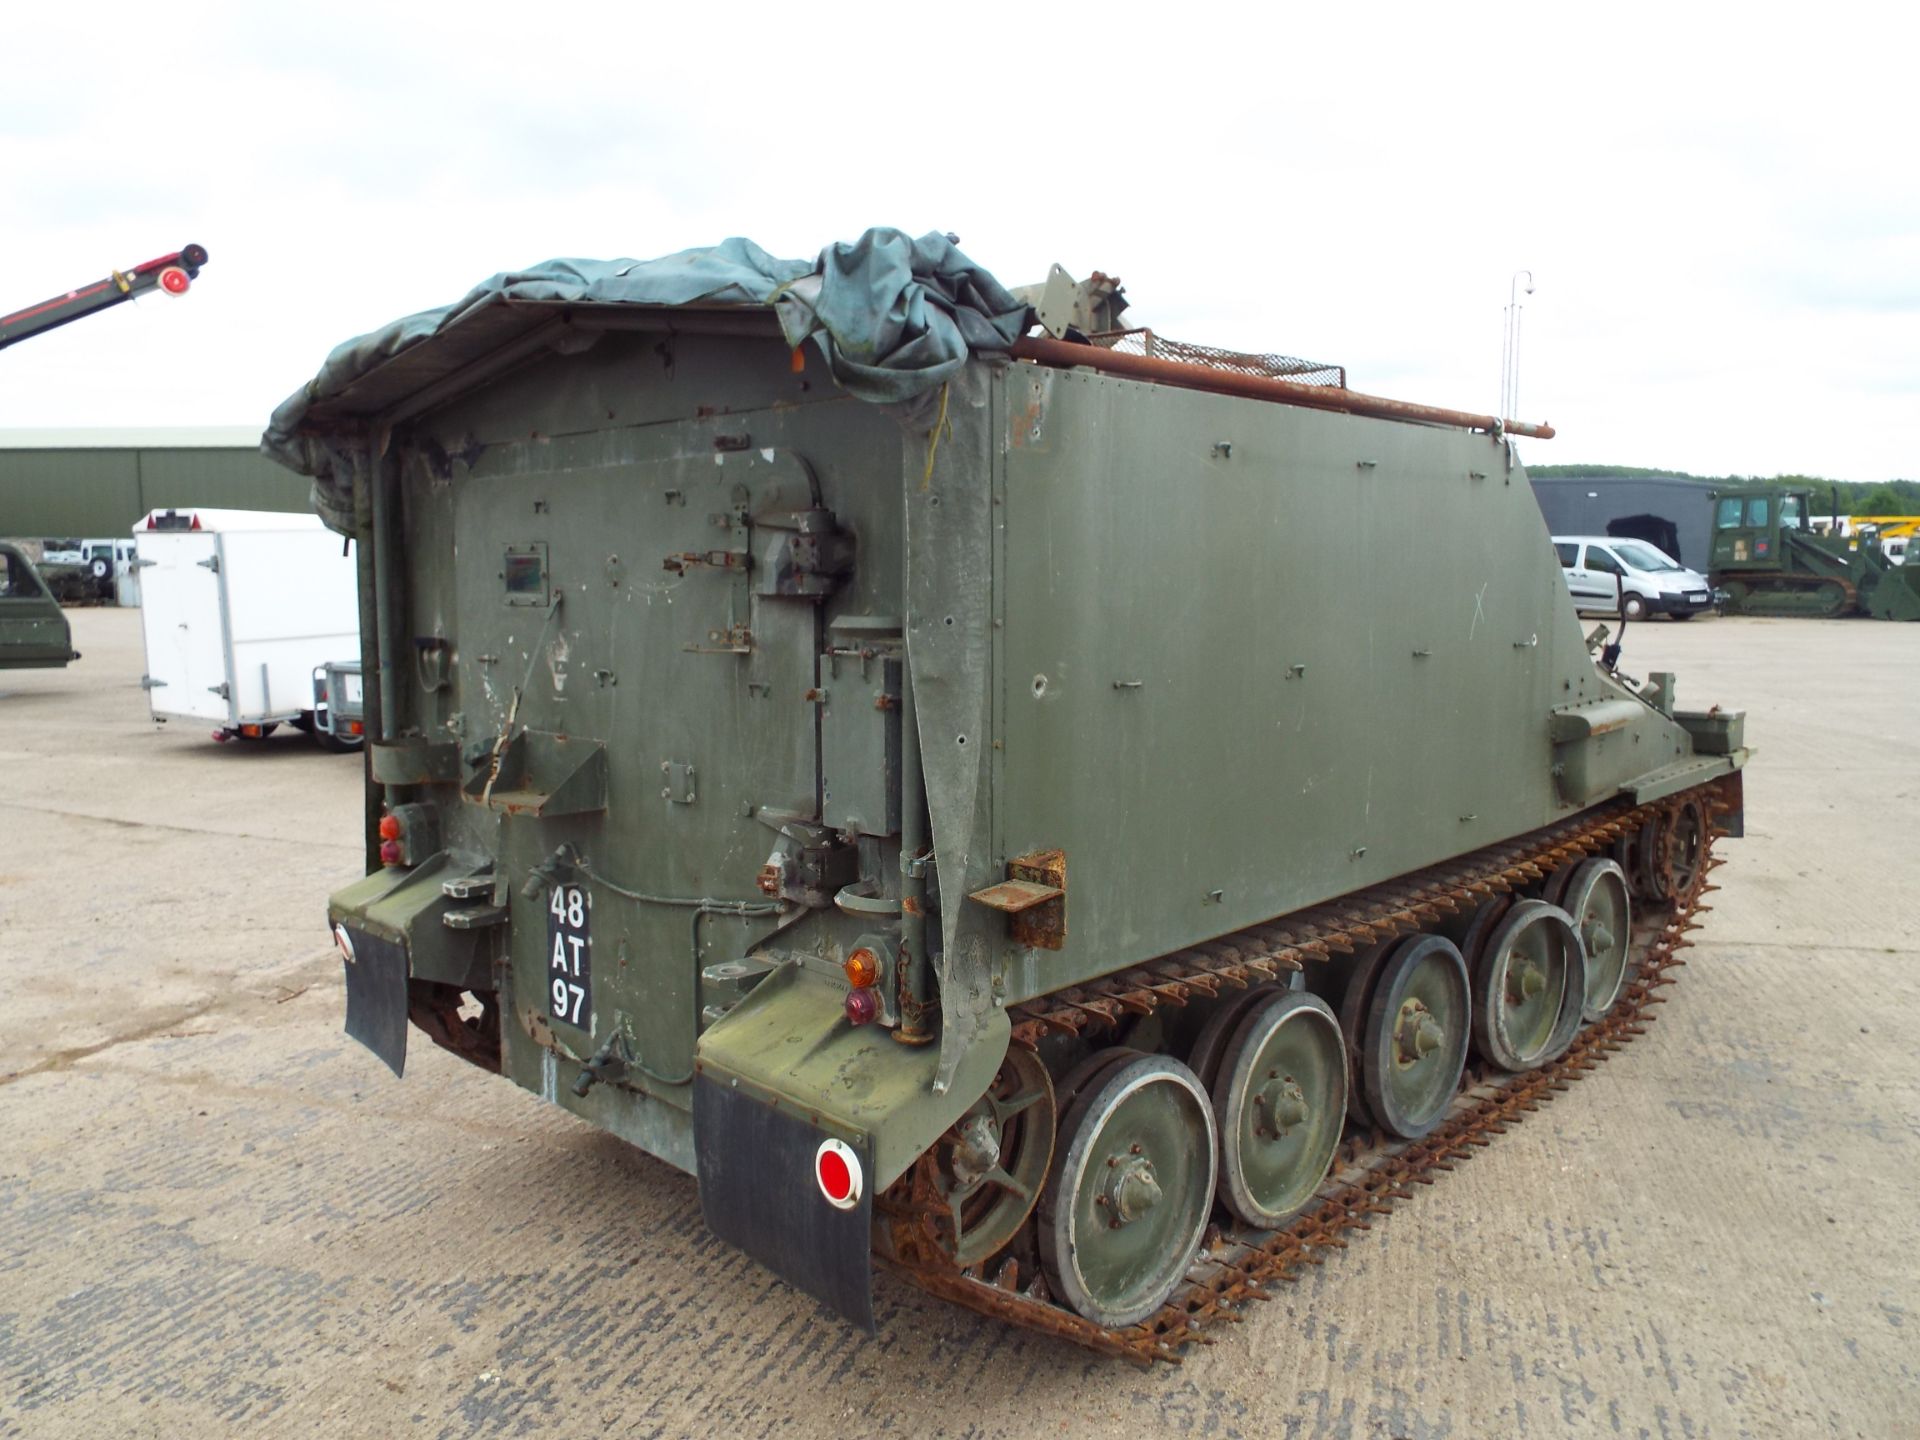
(1633, 607)
(1281, 1100)
(1127, 1202)
(1520, 987)
(1602, 913)
(1414, 1045)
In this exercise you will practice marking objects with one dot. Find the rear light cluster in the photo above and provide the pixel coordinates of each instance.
(391, 830)
(863, 973)
(409, 834)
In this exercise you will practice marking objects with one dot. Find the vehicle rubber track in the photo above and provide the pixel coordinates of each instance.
(1237, 1265)
(1793, 596)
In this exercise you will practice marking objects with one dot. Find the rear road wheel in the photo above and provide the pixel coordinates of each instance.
(1125, 1207)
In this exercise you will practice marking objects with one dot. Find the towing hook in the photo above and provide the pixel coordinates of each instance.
(609, 1062)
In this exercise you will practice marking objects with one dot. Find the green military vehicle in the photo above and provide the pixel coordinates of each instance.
(1769, 560)
(34, 633)
(1081, 827)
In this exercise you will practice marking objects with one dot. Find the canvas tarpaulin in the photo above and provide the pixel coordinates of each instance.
(893, 316)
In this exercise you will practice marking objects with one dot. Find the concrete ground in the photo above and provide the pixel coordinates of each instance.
(218, 1216)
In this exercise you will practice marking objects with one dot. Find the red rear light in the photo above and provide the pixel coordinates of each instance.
(390, 852)
(861, 1007)
(174, 280)
(836, 1169)
(354, 727)
(389, 827)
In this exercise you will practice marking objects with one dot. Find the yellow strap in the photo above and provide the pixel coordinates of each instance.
(933, 436)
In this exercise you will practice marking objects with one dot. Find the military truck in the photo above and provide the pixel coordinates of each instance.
(1770, 560)
(34, 633)
(1083, 828)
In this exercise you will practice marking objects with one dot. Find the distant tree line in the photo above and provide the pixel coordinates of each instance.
(1857, 497)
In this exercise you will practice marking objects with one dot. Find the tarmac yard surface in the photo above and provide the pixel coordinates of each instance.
(219, 1216)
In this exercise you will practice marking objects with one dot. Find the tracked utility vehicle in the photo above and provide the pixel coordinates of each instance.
(1770, 560)
(1078, 819)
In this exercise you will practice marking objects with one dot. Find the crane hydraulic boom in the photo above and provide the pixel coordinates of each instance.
(170, 273)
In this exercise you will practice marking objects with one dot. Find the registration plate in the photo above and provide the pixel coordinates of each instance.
(1698, 597)
(570, 956)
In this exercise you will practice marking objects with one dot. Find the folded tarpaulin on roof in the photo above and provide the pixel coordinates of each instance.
(893, 316)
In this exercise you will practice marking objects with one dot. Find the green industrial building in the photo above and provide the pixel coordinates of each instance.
(98, 482)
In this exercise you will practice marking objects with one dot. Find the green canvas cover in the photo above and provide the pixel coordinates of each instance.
(893, 316)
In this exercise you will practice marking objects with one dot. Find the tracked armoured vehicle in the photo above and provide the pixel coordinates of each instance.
(1081, 821)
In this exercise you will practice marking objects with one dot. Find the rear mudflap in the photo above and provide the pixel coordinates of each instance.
(376, 994)
(758, 1190)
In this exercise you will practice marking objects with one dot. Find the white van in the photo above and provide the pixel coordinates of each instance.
(1615, 576)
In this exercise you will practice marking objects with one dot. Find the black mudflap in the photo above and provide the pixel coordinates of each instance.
(377, 997)
(757, 1190)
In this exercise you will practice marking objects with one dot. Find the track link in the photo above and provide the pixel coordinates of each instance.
(1238, 1265)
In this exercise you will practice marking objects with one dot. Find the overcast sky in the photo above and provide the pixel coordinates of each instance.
(1720, 211)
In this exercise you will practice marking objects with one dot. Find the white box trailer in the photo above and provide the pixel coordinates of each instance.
(239, 609)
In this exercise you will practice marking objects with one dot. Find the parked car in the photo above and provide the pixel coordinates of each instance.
(88, 569)
(33, 632)
(1616, 576)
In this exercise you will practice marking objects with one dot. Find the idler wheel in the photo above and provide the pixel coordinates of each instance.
(1529, 988)
(1683, 848)
(1280, 1098)
(1414, 1044)
(994, 1159)
(1126, 1204)
(1602, 912)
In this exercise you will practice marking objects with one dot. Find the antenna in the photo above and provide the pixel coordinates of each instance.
(1510, 348)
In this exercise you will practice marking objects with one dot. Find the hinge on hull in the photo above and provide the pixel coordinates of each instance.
(221, 690)
(212, 562)
(147, 682)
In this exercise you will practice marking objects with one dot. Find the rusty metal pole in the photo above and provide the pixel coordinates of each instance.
(1259, 387)
(913, 975)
